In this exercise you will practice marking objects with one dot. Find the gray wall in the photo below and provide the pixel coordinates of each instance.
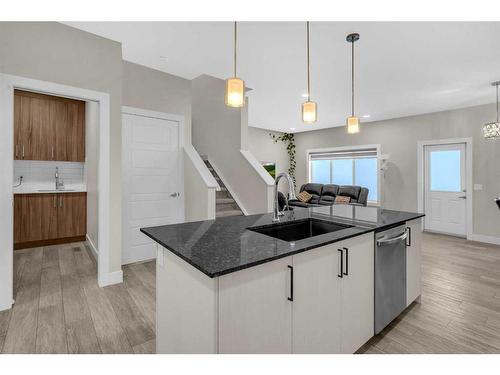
(58, 53)
(262, 146)
(220, 132)
(399, 137)
(151, 89)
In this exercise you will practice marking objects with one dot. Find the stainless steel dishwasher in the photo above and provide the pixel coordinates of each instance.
(390, 275)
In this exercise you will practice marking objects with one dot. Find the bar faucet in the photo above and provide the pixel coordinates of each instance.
(291, 195)
(59, 184)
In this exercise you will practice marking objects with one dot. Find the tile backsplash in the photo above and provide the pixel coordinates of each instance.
(35, 172)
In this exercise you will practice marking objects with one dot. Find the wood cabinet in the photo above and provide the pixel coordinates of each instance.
(255, 314)
(413, 260)
(42, 219)
(48, 127)
(330, 308)
(317, 293)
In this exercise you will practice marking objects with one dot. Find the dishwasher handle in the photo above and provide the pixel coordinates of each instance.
(389, 241)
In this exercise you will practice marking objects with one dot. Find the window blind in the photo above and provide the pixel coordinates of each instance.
(347, 154)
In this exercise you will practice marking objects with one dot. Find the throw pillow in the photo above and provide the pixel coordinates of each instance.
(342, 199)
(304, 196)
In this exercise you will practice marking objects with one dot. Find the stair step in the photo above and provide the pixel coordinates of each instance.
(228, 213)
(224, 200)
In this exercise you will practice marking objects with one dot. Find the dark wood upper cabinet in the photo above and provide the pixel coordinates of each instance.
(48, 127)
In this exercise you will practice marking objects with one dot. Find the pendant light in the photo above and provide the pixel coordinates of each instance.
(309, 111)
(235, 87)
(491, 130)
(352, 121)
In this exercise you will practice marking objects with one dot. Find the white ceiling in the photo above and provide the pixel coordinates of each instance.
(402, 68)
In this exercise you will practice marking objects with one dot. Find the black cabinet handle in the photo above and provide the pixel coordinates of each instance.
(408, 240)
(291, 283)
(346, 261)
(341, 274)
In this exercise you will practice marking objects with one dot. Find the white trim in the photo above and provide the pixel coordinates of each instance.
(132, 111)
(231, 191)
(112, 278)
(350, 148)
(468, 171)
(7, 85)
(95, 253)
(484, 238)
(201, 167)
(250, 158)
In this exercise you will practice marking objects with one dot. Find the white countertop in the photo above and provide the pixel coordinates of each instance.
(44, 188)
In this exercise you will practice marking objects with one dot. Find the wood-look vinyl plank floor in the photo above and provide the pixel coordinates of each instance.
(60, 308)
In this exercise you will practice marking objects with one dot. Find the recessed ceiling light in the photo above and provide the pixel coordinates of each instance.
(305, 95)
(292, 128)
(366, 116)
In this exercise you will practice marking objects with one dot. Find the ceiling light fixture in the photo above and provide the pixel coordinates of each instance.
(352, 121)
(309, 111)
(491, 130)
(235, 87)
(366, 116)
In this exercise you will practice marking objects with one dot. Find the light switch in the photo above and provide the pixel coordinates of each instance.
(478, 187)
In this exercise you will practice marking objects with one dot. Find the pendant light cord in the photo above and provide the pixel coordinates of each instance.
(308, 67)
(235, 44)
(352, 79)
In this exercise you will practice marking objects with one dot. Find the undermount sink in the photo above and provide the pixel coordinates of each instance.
(299, 229)
(55, 190)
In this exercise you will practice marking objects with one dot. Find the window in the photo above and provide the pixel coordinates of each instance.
(446, 171)
(357, 166)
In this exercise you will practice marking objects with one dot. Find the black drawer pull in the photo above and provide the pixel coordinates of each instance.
(291, 283)
(346, 261)
(341, 274)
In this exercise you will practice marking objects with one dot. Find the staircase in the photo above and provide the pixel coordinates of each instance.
(225, 205)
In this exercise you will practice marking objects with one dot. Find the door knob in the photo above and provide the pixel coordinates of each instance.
(463, 197)
(174, 195)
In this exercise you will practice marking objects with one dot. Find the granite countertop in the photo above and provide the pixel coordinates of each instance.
(218, 247)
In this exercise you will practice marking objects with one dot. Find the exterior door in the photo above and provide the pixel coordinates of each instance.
(445, 194)
(152, 181)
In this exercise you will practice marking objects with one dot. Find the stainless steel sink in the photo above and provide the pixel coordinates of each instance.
(300, 229)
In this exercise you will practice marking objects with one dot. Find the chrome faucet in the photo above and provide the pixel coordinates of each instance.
(291, 195)
(59, 183)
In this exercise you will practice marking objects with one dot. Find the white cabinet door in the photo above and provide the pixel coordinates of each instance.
(316, 305)
(255, 315)
(357, 292)
(413, 261)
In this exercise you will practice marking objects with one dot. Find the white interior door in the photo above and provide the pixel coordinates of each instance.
(152, 181)
(445, 189)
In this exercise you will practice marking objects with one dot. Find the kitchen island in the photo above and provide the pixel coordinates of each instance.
(247, 285)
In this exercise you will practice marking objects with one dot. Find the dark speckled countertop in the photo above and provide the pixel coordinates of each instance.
(218, 247)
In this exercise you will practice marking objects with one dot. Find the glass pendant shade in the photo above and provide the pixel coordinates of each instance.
(491, 130)
(352, 125)
(235, 92)
(309, 114)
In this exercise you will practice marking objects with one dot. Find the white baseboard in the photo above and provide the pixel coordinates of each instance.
(111, 278)
(484, 238)
(93, 248)
(6, 306)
